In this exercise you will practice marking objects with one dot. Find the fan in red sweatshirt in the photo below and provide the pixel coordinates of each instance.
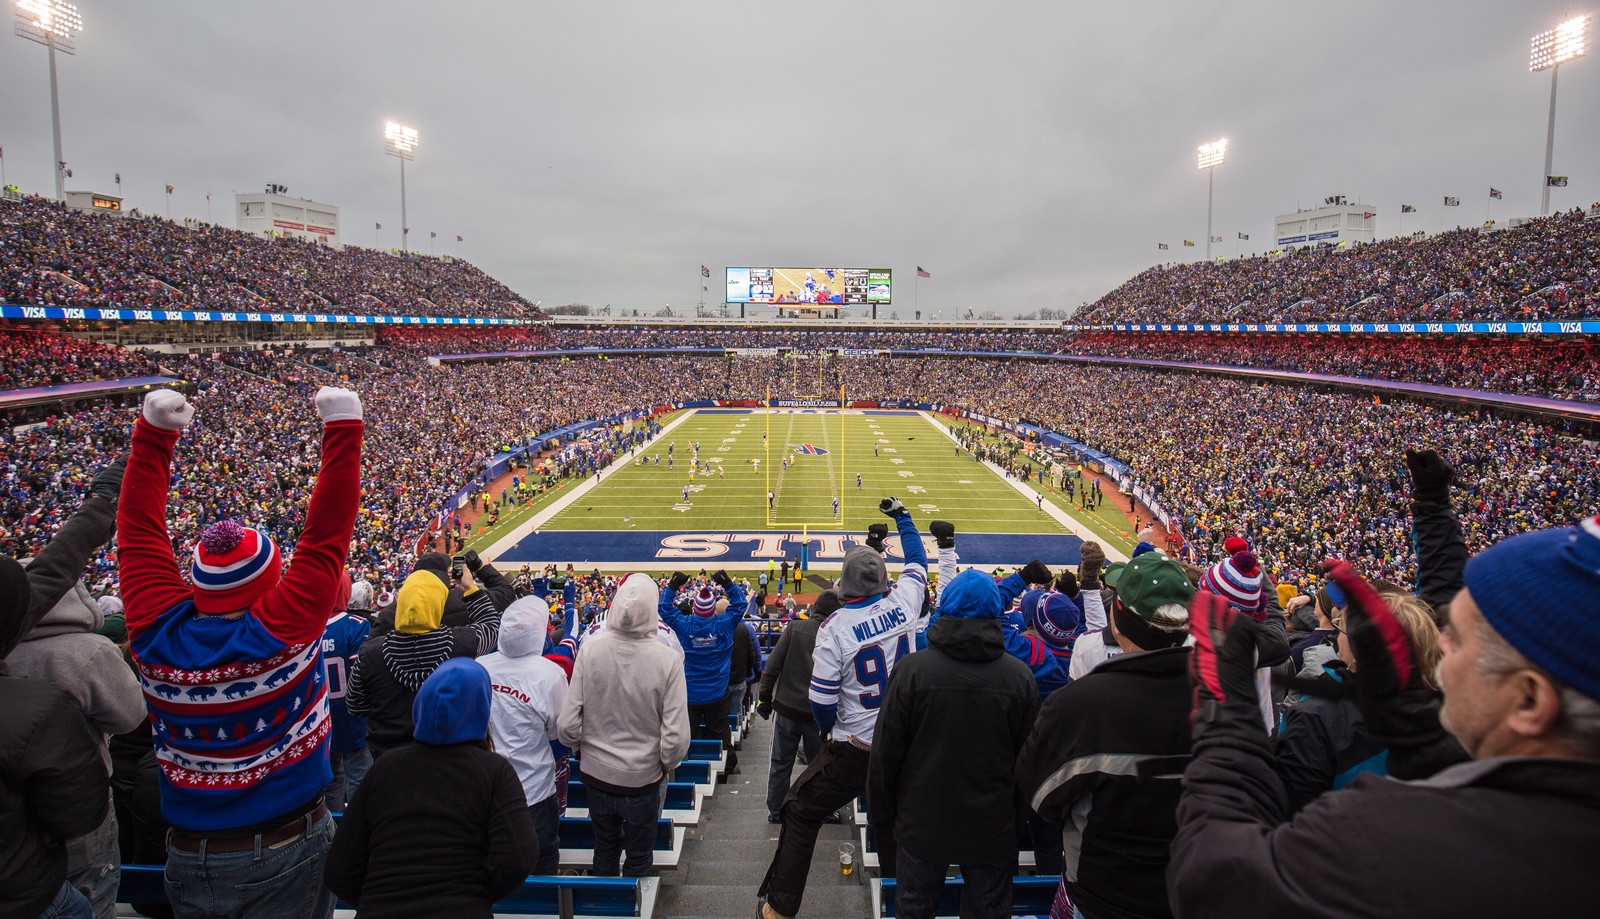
(232, 666)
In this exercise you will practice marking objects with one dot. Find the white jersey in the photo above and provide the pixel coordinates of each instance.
(857, 649)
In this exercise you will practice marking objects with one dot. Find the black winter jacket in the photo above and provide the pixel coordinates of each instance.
(786, 682)
(1323, 743)
(433, 831)
(1104, 762)
(1515, 836)
(52, 788)
(954, 716)
(746, 659)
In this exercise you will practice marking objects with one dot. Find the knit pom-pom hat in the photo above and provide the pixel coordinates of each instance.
(233, 567)
(705, 602)
(1238, 580)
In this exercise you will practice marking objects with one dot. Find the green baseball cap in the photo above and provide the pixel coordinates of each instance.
(1152, 581)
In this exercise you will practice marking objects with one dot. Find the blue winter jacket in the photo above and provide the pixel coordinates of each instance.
(707, 643)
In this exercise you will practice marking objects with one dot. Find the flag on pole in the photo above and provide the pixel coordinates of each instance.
(1189, 243)
(1556, 181)
(169, 189)
(432, 235)
(1495, 192)
(458, 238)
(1216, 239)
(924, 274)
(1451, 202)
(705, 272)
(1244, 235)
(377, 226)
(1162, 246)
(1367, 215)
(1408, 208)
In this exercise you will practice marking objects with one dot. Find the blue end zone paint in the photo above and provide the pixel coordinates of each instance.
(751, 549)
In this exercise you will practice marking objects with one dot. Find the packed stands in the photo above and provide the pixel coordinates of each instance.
(1547, 269)
(29, 359)
(52, 256)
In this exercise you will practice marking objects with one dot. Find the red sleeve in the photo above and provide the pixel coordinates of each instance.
(151, 584)
(296, 610)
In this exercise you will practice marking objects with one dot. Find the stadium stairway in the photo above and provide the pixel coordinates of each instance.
(726, 855)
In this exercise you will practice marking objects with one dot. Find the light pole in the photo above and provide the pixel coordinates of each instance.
(1551, 49)
(401, 141)
(1212, 155)
(56, 26)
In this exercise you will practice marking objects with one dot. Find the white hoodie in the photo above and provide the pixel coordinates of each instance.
(627, 712)
(528, 694)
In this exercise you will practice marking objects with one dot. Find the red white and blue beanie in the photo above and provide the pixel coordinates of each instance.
(233, 566)
(1541, 592)
(1057, 620)
(1237, 579)
(705, 602)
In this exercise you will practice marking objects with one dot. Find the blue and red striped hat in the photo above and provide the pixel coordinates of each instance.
(233, 566)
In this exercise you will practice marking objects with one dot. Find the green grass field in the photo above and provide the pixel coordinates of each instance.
(915, 462)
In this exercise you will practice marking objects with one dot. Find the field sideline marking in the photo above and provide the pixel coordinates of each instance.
(516, 535)
(1073, 526)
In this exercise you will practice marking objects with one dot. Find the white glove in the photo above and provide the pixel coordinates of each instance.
(335, 404)
(168, 409)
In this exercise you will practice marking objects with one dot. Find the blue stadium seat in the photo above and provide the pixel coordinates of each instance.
(1030, 896)
(682, 804)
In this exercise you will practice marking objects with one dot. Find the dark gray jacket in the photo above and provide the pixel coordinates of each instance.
(786, 682)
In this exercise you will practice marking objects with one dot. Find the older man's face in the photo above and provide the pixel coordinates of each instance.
(1474, 704)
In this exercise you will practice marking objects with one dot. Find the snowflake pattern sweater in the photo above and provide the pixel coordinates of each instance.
(238, 706)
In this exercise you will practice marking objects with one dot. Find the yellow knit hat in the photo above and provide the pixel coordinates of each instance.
(420, 606)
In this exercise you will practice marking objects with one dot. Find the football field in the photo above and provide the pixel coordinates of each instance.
(765, 482)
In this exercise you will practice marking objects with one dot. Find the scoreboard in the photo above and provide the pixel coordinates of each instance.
(820, 288)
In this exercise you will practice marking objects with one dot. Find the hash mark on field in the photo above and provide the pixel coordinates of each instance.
(906, 474)
(897, 461)
(681, 508)
(963, 481)
(723, 449)
(916, 489)
(928, 508)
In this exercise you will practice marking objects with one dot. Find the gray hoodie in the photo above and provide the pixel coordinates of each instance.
(63, 649)
(626, 715)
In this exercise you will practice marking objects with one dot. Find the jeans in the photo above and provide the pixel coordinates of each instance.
(349, 768)
(68, 904)
(546, 824)
(710, 721)
(788, 735)
(276, 882)
(624, 823)
(836, 776)
(985, 895)
(94, 866)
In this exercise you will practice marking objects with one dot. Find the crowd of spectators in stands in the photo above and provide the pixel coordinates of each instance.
(53, 256)
(1548, 269)
(29, 358)
(1280, 712)
(1553, 369)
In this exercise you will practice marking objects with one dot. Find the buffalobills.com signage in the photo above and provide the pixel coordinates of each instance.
(8, 311)
(1567, 327)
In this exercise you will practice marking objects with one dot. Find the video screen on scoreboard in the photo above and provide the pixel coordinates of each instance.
(815, 287)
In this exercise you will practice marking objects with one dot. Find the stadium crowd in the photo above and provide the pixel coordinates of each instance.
(1086, 693)
(1547, 269)
(29, 358)
(52, 256)
(565, 338)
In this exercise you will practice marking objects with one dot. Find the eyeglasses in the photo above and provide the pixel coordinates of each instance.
(1338, 623)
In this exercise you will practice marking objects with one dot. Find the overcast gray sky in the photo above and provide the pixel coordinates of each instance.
(1026, 154)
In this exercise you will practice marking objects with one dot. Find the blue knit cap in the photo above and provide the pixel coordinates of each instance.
(1058, 620)
(1541, 592)
(453, 704)
(970, 595)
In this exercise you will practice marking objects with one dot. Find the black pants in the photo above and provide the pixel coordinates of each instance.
(835, 777)
(546, 828)
(624, 822)
(985, 895)
(710, 722)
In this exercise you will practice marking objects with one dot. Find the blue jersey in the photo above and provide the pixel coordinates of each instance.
(341, 642)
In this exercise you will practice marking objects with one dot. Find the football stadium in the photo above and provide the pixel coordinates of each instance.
(451, 548)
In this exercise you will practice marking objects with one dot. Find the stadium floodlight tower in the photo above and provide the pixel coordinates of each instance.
(56, 26)
(1551, 49)
(1212, 155)
(401, 141)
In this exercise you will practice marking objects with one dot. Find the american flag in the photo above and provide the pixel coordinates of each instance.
(1496, 193)
(169, 189)
(923, 274)
(705, 272)
(1161, 245)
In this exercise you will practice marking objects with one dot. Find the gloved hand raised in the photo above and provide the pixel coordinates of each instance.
(1091, 559)
(107, 483)
(944, 533)
(1067, 583)
(473, 562)
(721, 579)
(335, 404)
(1394, 699)
(1431, 476)
(1035, 573)
(764, 709)
(876, 534)
(1222, 669)
(893, 508)
(168, 410)
(678, 580)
